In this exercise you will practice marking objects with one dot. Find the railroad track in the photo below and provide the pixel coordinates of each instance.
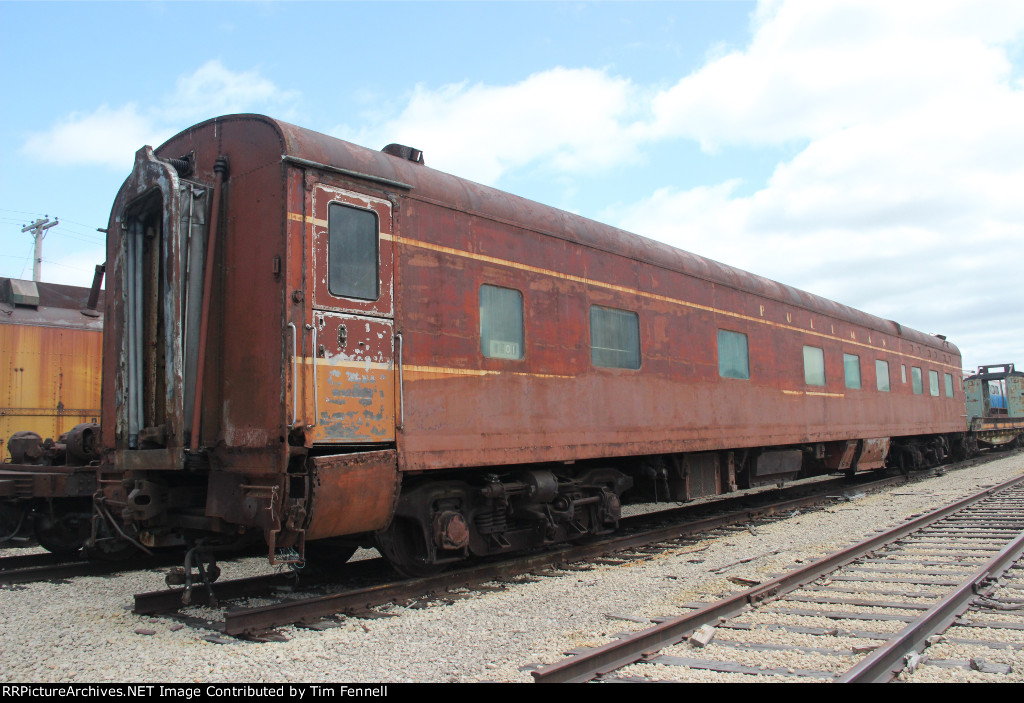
(867, 613)
(32, 568)
(359, 587)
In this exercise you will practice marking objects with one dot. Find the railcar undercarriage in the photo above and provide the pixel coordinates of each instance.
(442, 522)
(438, 520)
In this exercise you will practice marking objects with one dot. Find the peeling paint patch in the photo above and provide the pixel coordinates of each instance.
(355, 380)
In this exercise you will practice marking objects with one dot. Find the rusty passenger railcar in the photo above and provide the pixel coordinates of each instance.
(312, 341)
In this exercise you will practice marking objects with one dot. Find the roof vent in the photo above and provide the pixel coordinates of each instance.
(404, 152)
(18, 292)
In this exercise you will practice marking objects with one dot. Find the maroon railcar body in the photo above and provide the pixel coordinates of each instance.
(333, 406)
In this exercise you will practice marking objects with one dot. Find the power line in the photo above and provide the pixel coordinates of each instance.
(88, 237)
(68, 266)
(81, 238)
(27, 259)
(20, 212)
(80, 224)
(80, 228)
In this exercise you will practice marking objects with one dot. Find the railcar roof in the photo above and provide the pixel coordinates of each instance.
(59, 306)
(432, 185)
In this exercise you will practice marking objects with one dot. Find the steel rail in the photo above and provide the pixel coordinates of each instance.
(886, 662)
(615, 655)
(170, 600)
(61, 570)
(70, 568)
(26, 561)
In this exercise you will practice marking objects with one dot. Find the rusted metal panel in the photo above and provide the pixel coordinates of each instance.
(143, 310)
(695, 476)
(250, 301)
(839, 456)
(1015, 395)
(350, 367)
(773, 463)
(353, 493)
(997, 430)
(977, 399)
(34, 481)
(242, 499)
(243, 380)
(163, 459)
(50, 370)
(873, 453)
(355, 379)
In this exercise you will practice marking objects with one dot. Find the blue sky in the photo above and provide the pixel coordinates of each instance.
(872, 153)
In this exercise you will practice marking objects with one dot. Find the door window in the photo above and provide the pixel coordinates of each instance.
(352, 253)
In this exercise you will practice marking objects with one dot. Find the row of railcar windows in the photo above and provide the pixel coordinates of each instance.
(734, 362)
(615, 343)
(614, 333)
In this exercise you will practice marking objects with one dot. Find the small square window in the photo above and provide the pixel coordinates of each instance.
(915, 375)
(614, 338)
(814, 366)
(882, 375)
(851, 367)
(949, 385)
(501, 323)
(733, 355)
(352, 253)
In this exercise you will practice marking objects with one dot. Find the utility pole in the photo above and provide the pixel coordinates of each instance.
(40, 226)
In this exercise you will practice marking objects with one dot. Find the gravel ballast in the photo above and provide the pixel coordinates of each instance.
(83, 630)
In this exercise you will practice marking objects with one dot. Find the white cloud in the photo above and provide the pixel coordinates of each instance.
(110, 136)
(905, 196)
(214, 90)
(813, 68)
(571, 120)
(104, 136)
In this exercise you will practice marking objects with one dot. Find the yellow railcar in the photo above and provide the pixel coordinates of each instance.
(50, 359)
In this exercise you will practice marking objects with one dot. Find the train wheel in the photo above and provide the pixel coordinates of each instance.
(63, 535)
(403, 544)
